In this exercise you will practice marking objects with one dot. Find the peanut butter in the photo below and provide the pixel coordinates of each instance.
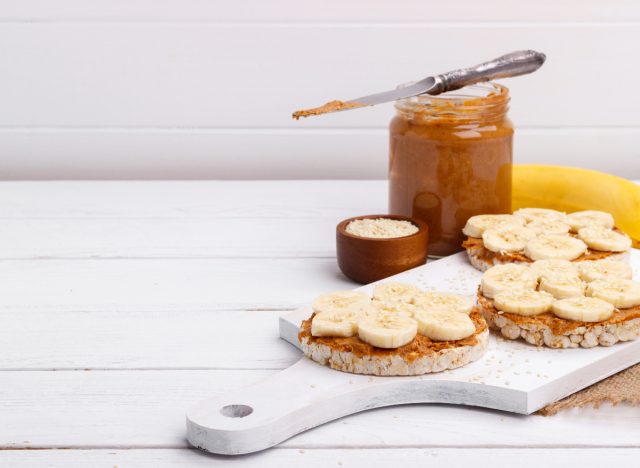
(420, 346)
(487, 255)
(331, 106)
(558, 326)
(449, 159)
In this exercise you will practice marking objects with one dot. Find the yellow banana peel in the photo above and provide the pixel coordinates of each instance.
(571, 189)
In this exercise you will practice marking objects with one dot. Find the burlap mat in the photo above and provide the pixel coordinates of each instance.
(623, 387)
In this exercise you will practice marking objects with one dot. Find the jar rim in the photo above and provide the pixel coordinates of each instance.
(488, 99)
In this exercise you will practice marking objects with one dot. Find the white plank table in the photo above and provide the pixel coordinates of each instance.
(125, 302)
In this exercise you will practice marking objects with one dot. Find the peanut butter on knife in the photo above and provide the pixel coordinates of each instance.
(331, 106)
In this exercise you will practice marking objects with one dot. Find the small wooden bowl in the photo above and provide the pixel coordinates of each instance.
(365, 259)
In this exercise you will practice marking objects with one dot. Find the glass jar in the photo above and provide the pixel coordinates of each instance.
(450, 158)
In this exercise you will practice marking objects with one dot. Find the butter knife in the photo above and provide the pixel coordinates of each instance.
(513, 64)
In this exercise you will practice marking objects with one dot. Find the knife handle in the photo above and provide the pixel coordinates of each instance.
(513, 64)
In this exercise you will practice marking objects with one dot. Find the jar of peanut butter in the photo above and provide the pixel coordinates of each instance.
(450, 158)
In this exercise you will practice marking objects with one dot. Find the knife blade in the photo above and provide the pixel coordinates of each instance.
(415, 89)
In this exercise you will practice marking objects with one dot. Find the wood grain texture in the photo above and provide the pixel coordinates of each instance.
(101, 76)
(155, 220)
(177, 285)
(123, 314)
(117, 409)
(57, 153)
(292, 10)
(321, 458)
(258, 200)
(132, 93)
(179, 220)
(169, 238)
(127, 338)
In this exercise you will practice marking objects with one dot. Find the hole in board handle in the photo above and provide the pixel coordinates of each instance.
(236, 411)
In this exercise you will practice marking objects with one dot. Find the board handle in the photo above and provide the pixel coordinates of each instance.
(304, 396)
(263, 415)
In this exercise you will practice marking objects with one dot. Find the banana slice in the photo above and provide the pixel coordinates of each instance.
(582, 219)
(548, 226)
(559, 278)
(507, 238)
(387, 330)
(547, 246)
(444, 325)
(506, 277)
(338, 324)
(561, 287)
(341, 301)
(601, 238)
(392, 307)
(554, 267)
(584, 309)
(476, 225)
(622, 293)
(599, 269)
(443, 302)
(539, 214)
(395, 292)
(523, 302)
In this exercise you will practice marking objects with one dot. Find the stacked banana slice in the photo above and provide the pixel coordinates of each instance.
(395, 315)
(582, 297)
(401, 330)
(539, 234)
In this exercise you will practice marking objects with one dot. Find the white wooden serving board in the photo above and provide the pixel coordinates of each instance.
(512, 376)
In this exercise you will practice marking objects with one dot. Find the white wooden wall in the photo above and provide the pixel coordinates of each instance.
(205, 88)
